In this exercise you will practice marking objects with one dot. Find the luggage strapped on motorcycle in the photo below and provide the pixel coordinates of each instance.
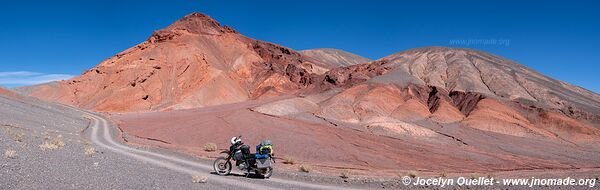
(264, 149)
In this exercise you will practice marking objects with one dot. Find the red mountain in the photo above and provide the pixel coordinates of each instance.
(194, 62)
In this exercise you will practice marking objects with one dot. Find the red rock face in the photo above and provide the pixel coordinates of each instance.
(195, 62)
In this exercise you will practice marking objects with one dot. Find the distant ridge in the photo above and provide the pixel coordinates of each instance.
(335, 57)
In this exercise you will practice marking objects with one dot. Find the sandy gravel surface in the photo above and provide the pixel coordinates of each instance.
(68, 167)
(44, 146)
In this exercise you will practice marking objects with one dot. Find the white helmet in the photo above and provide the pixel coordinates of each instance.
(235, 140)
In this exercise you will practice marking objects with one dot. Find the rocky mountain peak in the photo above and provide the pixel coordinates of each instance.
(200, 23)
(194, 23)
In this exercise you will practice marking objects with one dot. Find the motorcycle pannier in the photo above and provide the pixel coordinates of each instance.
(263, 163)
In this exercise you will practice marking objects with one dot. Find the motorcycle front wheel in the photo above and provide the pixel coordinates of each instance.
(267, 172)
(222, 166)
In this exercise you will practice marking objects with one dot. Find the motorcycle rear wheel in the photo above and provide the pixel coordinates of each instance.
(222, 166)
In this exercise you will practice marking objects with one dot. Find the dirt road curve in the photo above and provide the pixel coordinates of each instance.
(51, 146)
(102, 136)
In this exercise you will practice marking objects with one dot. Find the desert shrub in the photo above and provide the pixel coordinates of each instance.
(443, 174)
(19, 137)
(10, 154)
(345, 174)
(89, 151)
(305, 168)
(199, 179)
(210, 147)
(58, 142)
(289, 160)
(52, 144)
(48, 146)
(474, 176)
(86, 117)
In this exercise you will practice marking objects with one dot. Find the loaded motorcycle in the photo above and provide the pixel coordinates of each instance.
(259, 163)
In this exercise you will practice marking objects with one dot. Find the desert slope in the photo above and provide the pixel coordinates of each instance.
(9, 93)
(334, 57)
(28, 126)
(408, 93)
(382, 148)
(462, 77)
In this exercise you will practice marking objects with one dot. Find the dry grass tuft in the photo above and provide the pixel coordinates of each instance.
(58, 141)
(345, 174)
(87, 117)
(210, 147)
(305, 168)
(289, 160)
(89, 151)
(199, 179)
(10, 154)
(474, 176)
(48, 146)
(412, 174)
(19, 137)
(443, 174)
(53, 144)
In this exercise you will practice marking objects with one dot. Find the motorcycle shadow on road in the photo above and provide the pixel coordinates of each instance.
(250, 176)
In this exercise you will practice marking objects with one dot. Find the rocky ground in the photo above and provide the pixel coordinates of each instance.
(47, 146)
(331, 148)
(50, 146)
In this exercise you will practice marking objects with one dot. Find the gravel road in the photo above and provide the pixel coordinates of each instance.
(52, 146)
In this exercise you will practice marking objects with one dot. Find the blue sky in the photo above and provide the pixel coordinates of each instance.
(48, 40)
